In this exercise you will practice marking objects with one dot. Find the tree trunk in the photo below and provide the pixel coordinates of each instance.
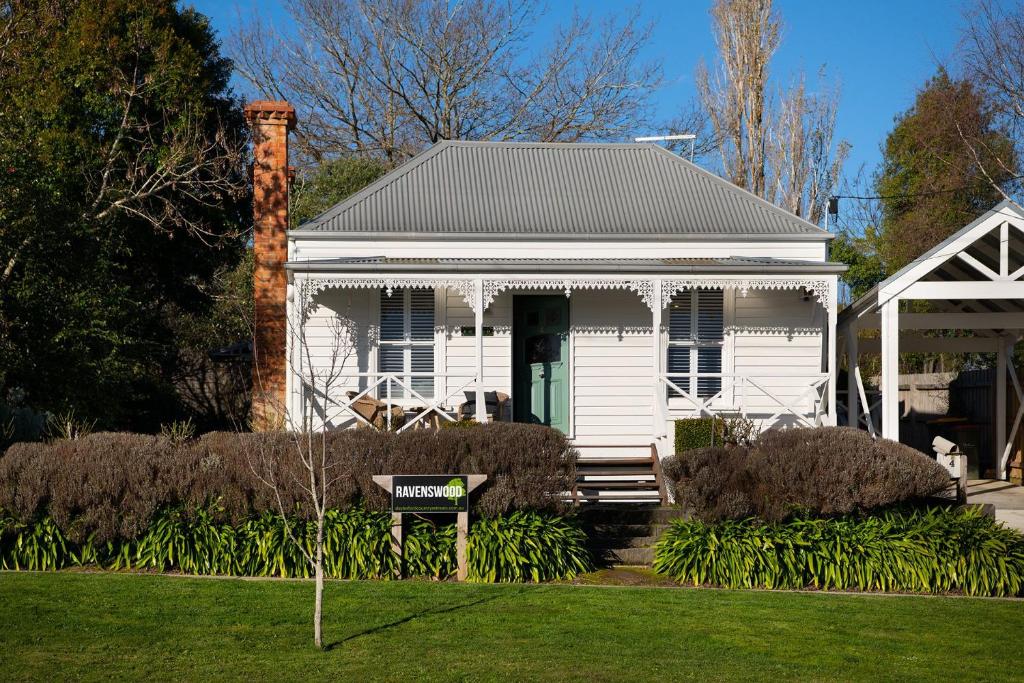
(319, 599)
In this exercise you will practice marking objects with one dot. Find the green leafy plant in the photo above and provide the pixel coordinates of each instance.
(933, 550)
(178, 431)
(68, 426)
(523, 546)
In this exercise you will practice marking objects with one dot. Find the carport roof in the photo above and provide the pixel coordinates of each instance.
(989, 251)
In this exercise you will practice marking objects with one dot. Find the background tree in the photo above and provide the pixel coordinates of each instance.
(930, 183)
(779, 146)
(994, 63)
(385, 78)
(123, 189)
(331, 182)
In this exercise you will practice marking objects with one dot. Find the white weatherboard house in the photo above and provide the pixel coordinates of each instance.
(602, 289)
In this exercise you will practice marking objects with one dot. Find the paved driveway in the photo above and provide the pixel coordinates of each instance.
(1007, 498)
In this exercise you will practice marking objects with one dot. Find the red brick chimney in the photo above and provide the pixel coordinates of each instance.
(270, 122)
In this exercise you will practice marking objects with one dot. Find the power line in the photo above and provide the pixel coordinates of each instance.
(908, 195)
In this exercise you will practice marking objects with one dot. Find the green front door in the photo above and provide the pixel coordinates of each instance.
(540, 340)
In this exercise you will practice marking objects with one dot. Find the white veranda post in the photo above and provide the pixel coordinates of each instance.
(478, 309)
(852, 390)
(890, 370)
(832, 302)
(659, 396)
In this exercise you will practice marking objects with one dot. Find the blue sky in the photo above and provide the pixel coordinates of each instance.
(881, 51)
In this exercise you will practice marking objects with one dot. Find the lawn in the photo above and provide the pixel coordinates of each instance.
(101, 626)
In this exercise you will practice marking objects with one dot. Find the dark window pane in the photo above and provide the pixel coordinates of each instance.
(709, 360)
(543, 348)
(678, 362)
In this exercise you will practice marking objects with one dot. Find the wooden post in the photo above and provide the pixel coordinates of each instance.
(396, 542)
(462, 530)
(891, 370)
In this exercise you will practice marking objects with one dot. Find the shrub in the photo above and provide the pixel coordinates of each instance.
(110, 485)
(524, 546)
(823, 471)
(926, 551)
(694, 432)
(703, 432)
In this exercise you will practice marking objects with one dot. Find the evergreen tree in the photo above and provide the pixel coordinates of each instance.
(930, 181)
(123, 190)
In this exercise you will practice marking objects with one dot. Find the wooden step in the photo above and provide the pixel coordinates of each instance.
(607, 462)
(585, 485)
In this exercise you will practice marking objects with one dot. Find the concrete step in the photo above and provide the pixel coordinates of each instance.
(598, 530)
(627, 556)
(620, 542)
(627, 514)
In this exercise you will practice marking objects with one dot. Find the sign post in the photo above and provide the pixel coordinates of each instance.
(431, 494)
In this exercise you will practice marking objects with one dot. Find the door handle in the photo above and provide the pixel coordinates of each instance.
(542, 375)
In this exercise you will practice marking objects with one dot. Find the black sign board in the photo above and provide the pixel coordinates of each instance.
(430, 493)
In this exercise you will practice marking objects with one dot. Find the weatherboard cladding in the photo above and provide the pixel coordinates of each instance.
(553, 188)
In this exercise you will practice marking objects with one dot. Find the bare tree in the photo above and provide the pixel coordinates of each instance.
(782, 148)
(994, 63)
(307, 461)
(804, 163)
(734, 92)
(387, 77)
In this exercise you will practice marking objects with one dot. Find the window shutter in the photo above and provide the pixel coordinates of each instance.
(710, 315)
(421, 314)
(407, 339)
(680, 317)
(392, 317)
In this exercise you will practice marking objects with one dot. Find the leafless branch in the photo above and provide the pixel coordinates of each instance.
(386, 77)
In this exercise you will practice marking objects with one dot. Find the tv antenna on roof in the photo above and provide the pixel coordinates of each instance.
(668, 138)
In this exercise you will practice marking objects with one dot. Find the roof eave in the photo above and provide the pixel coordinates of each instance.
(824, 268)
(312, 234)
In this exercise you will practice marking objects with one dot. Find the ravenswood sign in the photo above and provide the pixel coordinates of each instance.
(430, 494)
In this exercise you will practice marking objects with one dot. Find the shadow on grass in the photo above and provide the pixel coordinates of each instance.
(424, 613)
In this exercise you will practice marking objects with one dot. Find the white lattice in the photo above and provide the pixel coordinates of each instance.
(645, 288)
(822, 288)
(313, 286)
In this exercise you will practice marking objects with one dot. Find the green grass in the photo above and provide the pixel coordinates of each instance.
(100, 626)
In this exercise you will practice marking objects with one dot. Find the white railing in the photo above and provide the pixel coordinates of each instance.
(868, 408)
(744, 389)
(387, 385)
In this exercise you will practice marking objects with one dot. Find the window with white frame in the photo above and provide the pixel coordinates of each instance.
(696, 334)
(406, 342)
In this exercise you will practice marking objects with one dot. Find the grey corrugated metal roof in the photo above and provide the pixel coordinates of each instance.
(735, 264)
(515, 188)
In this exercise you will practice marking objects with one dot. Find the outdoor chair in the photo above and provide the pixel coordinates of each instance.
(495, 404)
(374, 411)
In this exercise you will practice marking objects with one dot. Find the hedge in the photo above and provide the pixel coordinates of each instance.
(522, 546)
(937, 550)
(823, 471)
(111, 485)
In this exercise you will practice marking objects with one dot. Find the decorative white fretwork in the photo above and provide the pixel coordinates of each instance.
(644, 288)
(821, 287)
(313, 286)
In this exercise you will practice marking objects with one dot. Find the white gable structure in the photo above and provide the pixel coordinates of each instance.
(974, 281)
(602, 289)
